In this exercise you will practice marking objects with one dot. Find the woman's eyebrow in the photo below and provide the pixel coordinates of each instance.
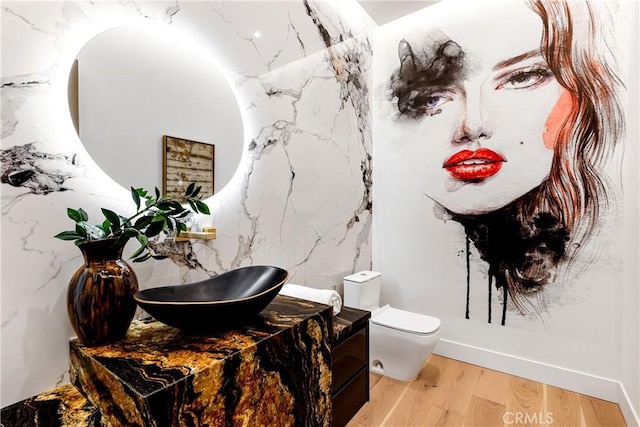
(514, 60)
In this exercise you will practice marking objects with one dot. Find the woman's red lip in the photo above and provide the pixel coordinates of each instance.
(470, 165)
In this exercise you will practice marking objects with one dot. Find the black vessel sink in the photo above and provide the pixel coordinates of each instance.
(231, 299)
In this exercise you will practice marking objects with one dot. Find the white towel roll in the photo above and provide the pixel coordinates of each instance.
(323, 296)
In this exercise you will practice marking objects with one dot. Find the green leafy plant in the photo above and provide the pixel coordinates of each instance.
(154, 214)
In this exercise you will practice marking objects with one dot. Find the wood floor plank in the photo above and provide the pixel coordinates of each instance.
(493, 385)
(438, 417)
(563, 407)
(382, 398)
(599, 412)
(373, 379)
(437, 360)
(410, 411)
(455, 389)
(415, 403)
(484, 413)
(526, 402)
(429, 376)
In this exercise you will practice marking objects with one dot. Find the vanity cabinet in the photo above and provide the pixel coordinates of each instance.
(350, 364)
(274, 372)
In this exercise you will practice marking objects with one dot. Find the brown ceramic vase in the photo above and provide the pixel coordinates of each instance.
(100, 294)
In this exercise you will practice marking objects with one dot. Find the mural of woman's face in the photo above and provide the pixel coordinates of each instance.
(486, 107)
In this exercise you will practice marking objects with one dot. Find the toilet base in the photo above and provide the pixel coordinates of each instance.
(397, 354)
(376, 367)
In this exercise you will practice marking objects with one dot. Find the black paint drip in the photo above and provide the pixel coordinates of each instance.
(490, 294)
(521, 250)
(468, 247)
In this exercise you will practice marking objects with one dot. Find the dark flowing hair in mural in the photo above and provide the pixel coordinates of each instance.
(523, 241)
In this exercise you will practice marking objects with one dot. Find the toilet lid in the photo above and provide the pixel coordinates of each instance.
(406, 321)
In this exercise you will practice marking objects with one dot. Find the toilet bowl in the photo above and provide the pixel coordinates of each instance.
(399, 341)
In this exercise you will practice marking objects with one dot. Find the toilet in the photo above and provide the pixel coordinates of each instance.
(399, 341)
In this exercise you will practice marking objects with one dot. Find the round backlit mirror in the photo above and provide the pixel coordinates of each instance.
(153, 111)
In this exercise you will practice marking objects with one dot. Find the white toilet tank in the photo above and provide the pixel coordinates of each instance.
(362, 290)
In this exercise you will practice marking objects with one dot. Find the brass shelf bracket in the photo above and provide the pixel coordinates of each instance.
(207, 233)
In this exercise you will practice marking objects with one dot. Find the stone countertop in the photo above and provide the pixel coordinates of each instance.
(66, 406)
(275, 370)
(349, 319)
(63, 406)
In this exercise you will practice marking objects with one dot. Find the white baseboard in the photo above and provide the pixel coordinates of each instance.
(630, 415)
(580, 382)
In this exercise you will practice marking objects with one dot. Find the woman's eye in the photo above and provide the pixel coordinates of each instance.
(433, 101)
(419, 104)
(525, 79)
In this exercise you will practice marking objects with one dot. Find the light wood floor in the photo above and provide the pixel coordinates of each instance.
(452, 393)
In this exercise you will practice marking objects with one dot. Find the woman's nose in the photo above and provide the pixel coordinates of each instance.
(473, 126)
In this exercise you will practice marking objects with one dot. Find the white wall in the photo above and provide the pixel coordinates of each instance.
(587, 340)
(630, 235)
(300, 199)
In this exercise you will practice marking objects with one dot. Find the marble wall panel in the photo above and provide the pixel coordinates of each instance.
(300, 200)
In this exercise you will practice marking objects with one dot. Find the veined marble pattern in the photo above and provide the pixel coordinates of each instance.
(301, 199)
